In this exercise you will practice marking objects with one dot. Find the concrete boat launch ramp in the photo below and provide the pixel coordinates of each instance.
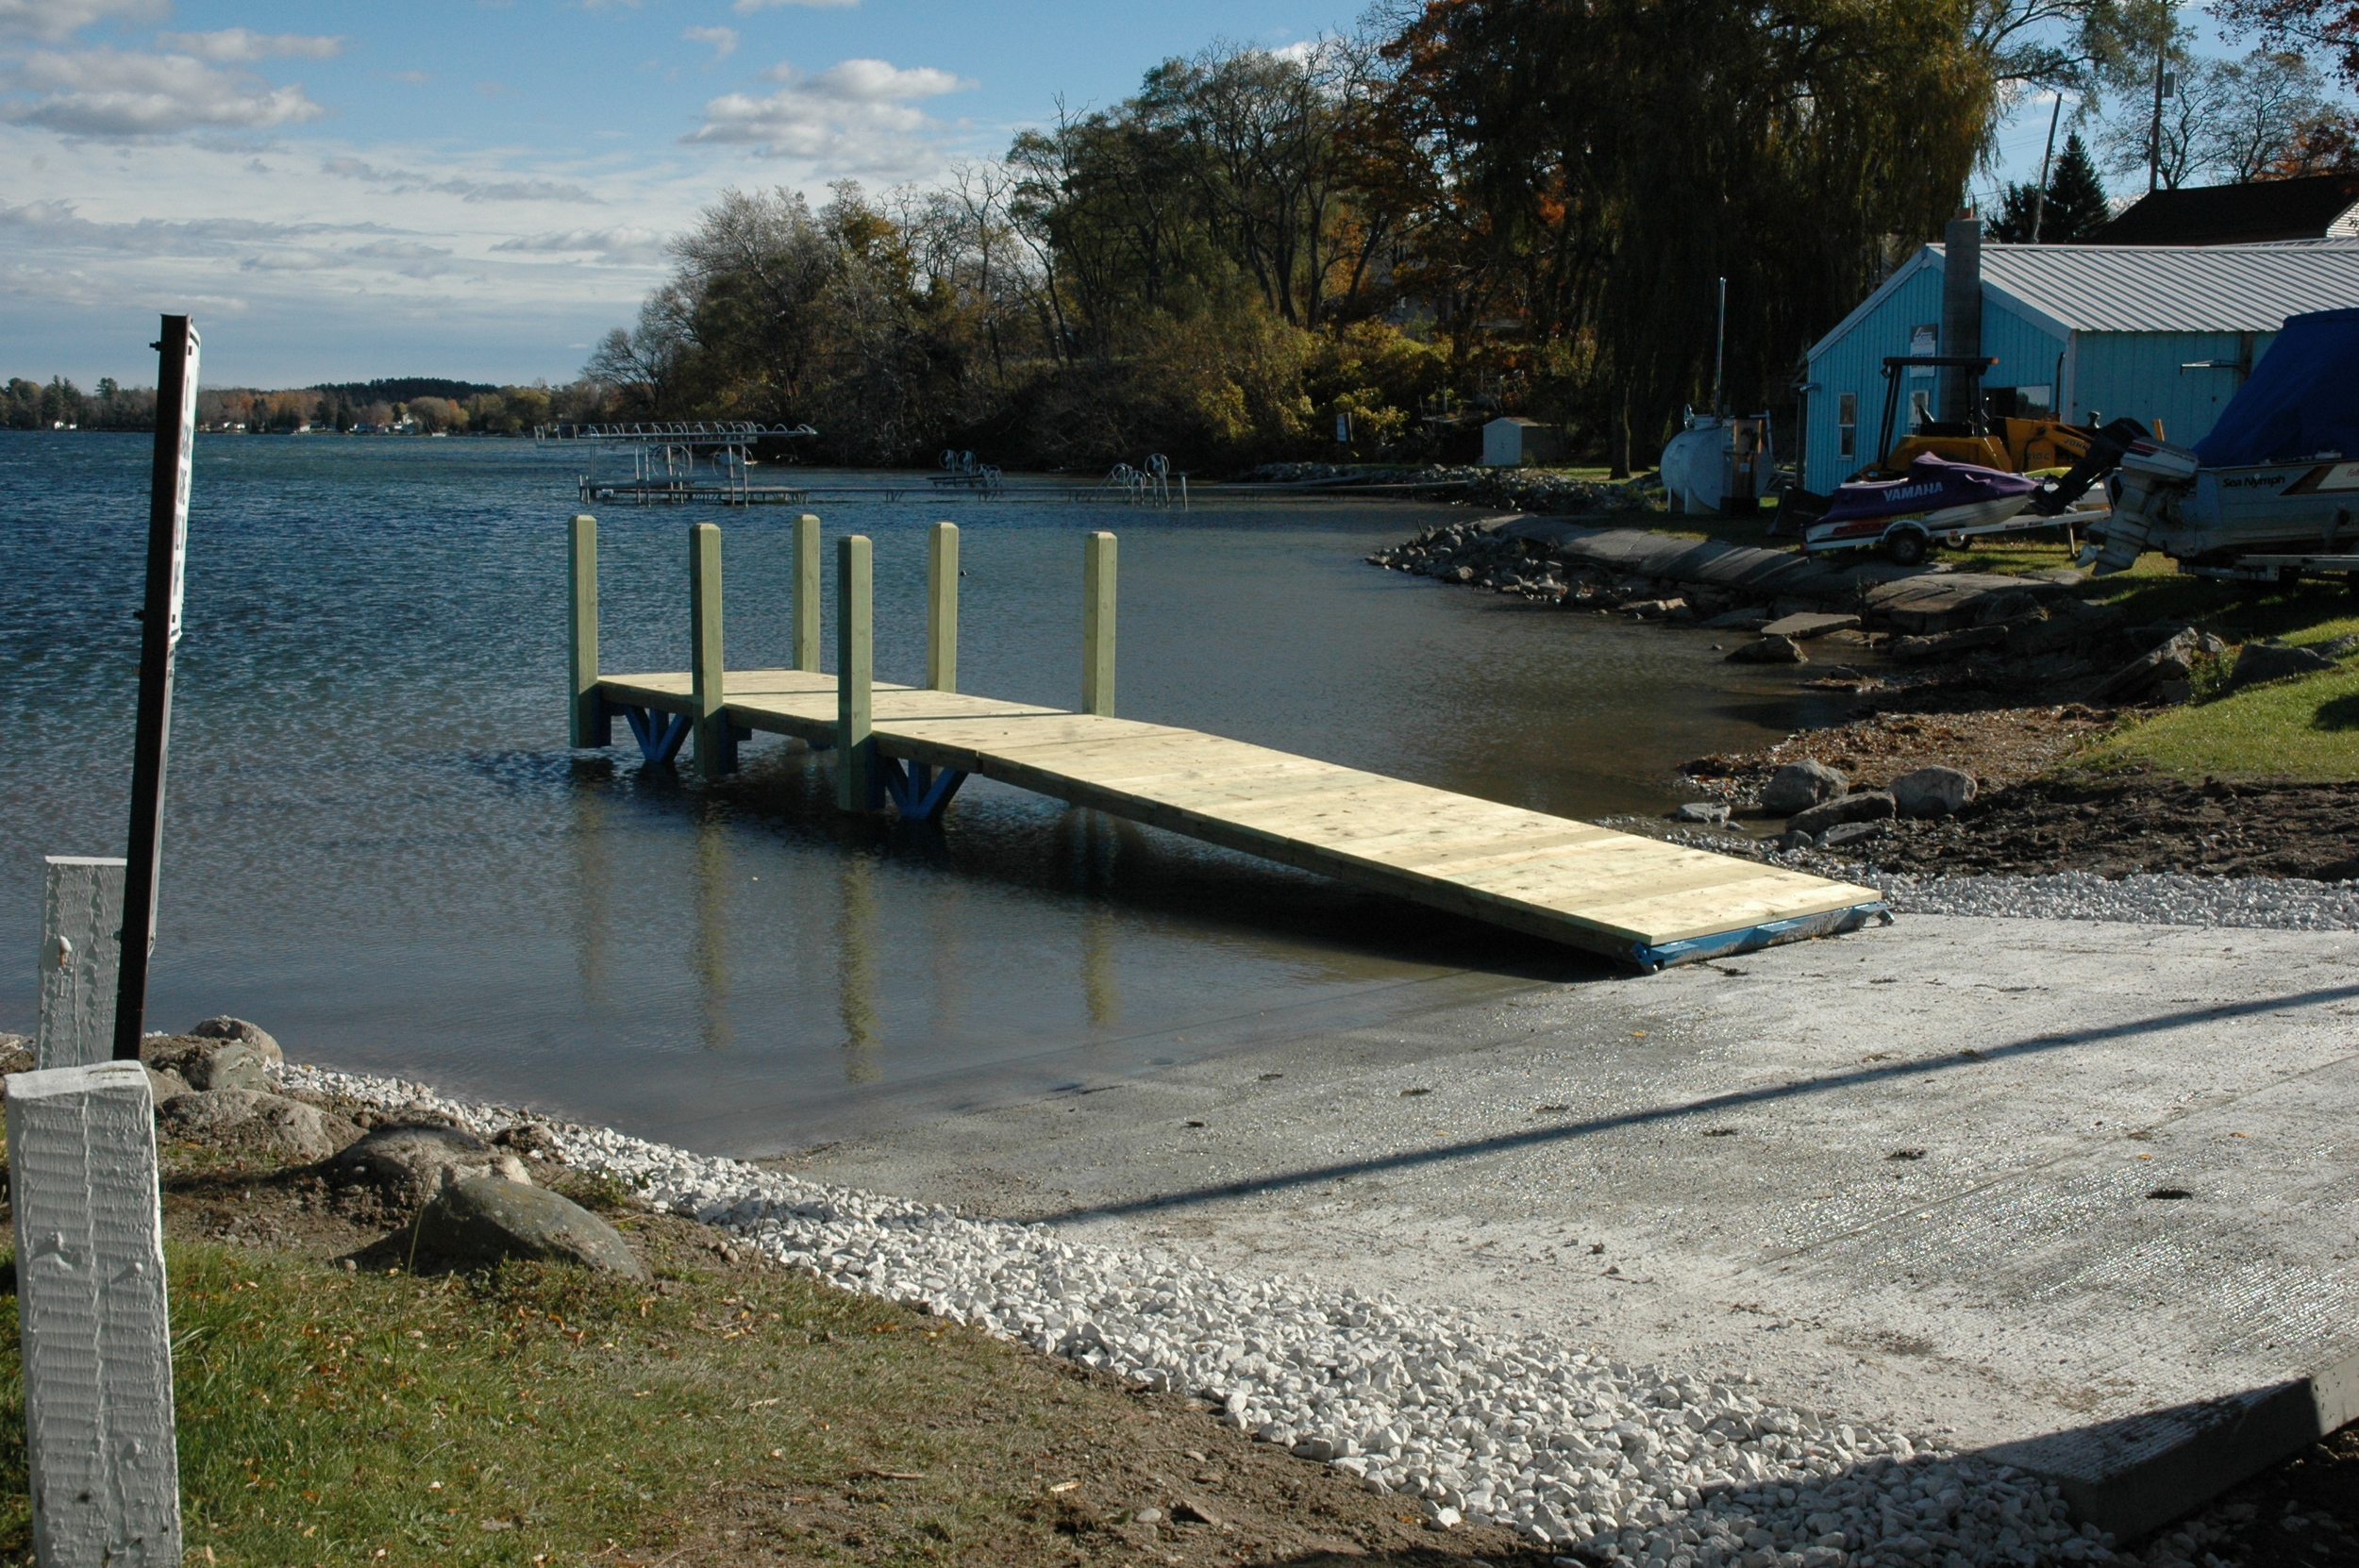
(2072, 1195)
(1636, 899)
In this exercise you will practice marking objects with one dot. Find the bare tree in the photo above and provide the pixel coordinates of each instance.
(2267, 100)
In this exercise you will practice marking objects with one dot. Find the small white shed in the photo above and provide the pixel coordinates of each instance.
(1512, 443)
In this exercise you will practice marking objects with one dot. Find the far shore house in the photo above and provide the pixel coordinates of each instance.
(2152, 332)
(2315, 206)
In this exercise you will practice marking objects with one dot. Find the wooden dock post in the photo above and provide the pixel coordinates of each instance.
(1097, 624)
(102, 1459)
(942, 609)
(857, 780)
(591, 724)
(81, 949)
(716, 748)
(809, 609)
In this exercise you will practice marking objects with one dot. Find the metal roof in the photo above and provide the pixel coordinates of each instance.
(2153, 288)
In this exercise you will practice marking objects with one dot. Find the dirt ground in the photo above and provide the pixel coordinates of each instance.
(2026, 821)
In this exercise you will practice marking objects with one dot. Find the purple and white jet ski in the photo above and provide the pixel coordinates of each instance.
(1934, 499)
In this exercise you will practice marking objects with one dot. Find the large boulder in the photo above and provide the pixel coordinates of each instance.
(1859, 805)
(2259, 661)
(1934, 791)
(2172, 659)
(236, 1065)
(237, 1029)
(407, 1161)
(1707, 813)
(484, 1219)
(255, 1120)
(1799, 786)
(1769, 650)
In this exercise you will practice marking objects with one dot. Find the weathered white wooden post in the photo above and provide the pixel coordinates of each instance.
(942, 609)
(809, 609)
(81, 948)
(716, 751)
(857, 781)
(1097, 624)
(102, 1461)
(592, 725)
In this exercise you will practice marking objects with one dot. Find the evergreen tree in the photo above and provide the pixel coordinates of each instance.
(2076, 197)
(2012, 223)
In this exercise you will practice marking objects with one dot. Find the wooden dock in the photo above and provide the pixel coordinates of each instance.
(1641, 900)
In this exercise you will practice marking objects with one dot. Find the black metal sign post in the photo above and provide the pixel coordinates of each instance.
(167, 554)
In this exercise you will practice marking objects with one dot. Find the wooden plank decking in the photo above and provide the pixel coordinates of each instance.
(1636, 898)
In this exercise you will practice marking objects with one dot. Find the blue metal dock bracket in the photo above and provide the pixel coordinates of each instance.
(659, 735)
(918, 792)
(1751, 939)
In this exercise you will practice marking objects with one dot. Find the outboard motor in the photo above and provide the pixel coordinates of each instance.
(2154, 474)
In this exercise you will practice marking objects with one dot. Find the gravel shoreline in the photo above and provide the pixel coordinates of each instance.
(1634, 1465)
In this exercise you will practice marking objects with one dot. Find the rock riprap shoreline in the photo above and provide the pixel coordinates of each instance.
(1632, 1465)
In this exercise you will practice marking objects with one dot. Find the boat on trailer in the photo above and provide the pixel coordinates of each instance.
(2273, 490)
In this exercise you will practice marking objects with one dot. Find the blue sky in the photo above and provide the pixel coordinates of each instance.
(481, 188)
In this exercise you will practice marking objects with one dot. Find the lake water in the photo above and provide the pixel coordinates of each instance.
(379, 847)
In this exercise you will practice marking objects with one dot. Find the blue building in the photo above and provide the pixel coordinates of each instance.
(2152, 332)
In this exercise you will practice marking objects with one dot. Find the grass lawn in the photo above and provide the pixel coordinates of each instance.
(2305, 729)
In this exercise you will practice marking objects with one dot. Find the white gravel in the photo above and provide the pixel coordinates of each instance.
(1651, 1467)
(2168, 898)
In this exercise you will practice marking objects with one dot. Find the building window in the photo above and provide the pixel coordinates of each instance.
(1847, 424)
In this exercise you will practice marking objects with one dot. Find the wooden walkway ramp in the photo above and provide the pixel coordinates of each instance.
(1641, 900)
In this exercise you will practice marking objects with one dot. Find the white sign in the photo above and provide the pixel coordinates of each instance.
(1923, 341)
(180, 489)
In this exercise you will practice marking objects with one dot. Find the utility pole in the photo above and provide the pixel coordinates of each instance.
(1720, 346)
(160, 642)
(2039, 197)
(2155, 132)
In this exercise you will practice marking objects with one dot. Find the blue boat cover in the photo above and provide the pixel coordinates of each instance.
(2300, 400)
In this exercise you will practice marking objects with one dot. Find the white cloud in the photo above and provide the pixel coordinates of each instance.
(747, 7)
(57, 223)
(237, 46)
(858, 116)
(55, 21)
(115, 96)
(722, 39)
(870, 81)
(621, 246)
(400, 181)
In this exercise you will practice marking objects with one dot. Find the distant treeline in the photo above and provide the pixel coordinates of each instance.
(421, 405)
(62, 404)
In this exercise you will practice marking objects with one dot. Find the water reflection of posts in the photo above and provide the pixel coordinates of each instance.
(1097, 624)
(856, 981)
(1100, 986)
(709, 956)
(858, 784)
(591, 727)
(809, 611)
(942, 609)
(594, 891)
(716, 748)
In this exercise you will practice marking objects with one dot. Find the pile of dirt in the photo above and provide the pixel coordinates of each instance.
(2026, 821)
(2140, 822)
(1997, 745)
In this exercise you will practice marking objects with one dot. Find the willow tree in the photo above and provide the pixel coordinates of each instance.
(1602, 162)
